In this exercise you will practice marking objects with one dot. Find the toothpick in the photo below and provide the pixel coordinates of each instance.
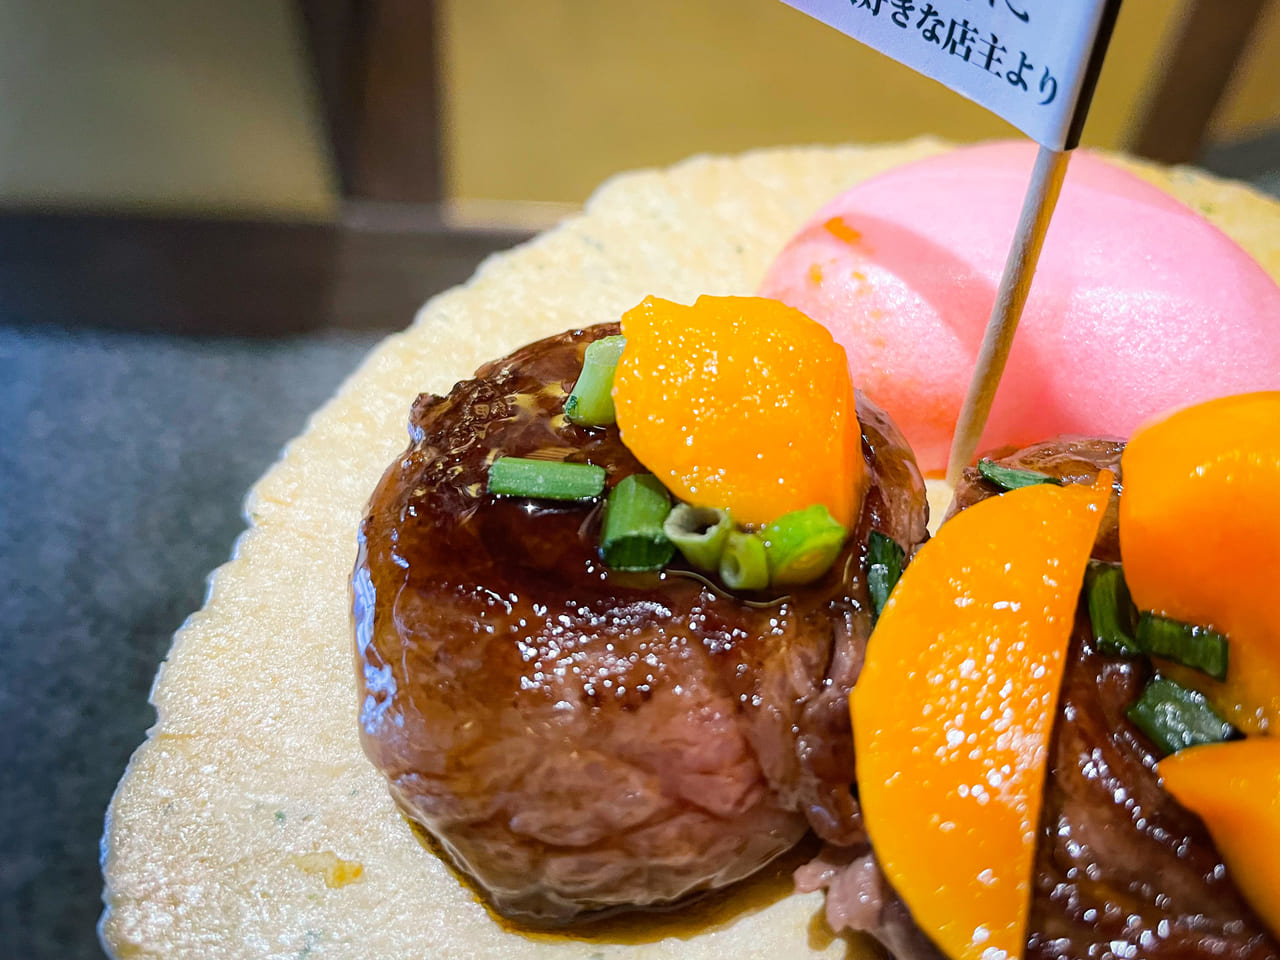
(1019, 268)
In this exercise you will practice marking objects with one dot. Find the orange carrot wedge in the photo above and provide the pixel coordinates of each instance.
(740, 403)
(1235, 788)
(954, 708)
(1200, 537)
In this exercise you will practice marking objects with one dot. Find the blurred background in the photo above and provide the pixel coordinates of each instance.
(210, 211)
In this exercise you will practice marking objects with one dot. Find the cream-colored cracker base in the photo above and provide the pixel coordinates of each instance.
(242, 822)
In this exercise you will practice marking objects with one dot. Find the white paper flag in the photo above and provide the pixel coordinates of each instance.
(1033, 62)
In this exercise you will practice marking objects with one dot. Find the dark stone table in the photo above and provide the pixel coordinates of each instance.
(124, 459)
(123, 462)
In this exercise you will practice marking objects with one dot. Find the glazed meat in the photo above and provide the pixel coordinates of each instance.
(580, 739)
(1121, 867)
(1122, 870)
(1070, 459)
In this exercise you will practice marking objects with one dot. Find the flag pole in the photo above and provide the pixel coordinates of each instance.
(1015, 283)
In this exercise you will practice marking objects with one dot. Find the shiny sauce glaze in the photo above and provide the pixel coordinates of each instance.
(1122, 869)
(579, 739)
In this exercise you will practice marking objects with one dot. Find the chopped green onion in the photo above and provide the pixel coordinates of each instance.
(1111, 611)
(884, 567)
(1010, 478)
(631, 536)
(1190, 645)
(743, 565)
(590, 403)
(802, 545)
(545, 479)
(1174, 717)
(699, 533)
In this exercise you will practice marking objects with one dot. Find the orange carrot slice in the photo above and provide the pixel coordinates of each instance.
(1235, 788)
(954, 708)
(740, 403)
(1200, 538)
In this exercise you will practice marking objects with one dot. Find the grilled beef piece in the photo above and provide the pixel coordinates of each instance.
(1121, 870)
(860, 898)
(1071, 460)
(576, 738)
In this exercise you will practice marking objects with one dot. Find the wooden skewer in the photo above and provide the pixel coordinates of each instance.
(1033, 224)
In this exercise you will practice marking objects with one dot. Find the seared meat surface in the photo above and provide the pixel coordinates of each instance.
(1070, 459)
(1122, 870)
(577, 738)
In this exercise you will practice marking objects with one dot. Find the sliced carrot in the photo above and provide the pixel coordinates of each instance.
(740, 403)
(954, 708)
(1200, 538)
(1235, 789)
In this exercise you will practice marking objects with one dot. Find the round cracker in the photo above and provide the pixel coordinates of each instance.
(250, 823)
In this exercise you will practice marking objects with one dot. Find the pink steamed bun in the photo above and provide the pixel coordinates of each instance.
(1138, 305)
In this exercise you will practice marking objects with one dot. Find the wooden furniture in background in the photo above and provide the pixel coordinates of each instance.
(1200, 62)
(229, 277)
(376, 64)
(387, 252)
(377, 67)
